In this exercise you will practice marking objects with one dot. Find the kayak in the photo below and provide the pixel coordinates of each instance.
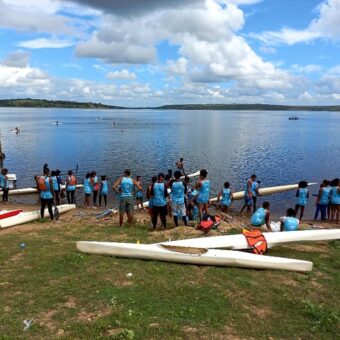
(6, 214)
(273, 239)
(195, 174)
(26, 191)
(266, 191)
(25, 217)
(196, 256)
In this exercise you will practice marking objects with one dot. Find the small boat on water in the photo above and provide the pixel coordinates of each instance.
(57, 123)
(293, 117)
(16, 130)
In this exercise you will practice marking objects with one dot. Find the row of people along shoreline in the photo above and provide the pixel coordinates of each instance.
(172, 195)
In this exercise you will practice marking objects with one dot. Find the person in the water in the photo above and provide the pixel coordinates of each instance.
(126, 184)
(203, 188)
(180, 166)
(302, 195)
(261, 217)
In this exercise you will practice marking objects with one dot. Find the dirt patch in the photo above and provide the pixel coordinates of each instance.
(6, 284)
(46, 320)
(70, 303)
(290, 282)
(228, 333)
(88, 316)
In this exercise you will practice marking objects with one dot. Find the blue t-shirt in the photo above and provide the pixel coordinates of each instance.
(87, 186)
(302, 197)
(325, 195)
(3, 183)
(335, 195)
(226, 197)
(104, 188)
(290, 224)
(138, 193)
(46, 194)
(204, 192)
(177, 191)
(254, 187)
(259, 217)
(55, 182)
(126, 187)
(159, 199)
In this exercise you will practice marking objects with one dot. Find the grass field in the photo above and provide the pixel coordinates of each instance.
(74, 295)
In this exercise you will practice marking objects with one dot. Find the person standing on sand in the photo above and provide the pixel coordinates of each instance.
(103, 191)
(45, 189)
(203, 188)
(302, 195)
(4, 185)
(87, 189)
(149, 194)
(178, 190)
(139, 193)
(180, 166)
(248, 194)
(322, 201)
(335, 200)
(95, 187)
(126, 184)
(159, 194)
(71, 184)
(255, 192)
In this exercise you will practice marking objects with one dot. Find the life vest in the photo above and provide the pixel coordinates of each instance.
(42, 183)
(210, 223)
(71, 180)
(256, 241)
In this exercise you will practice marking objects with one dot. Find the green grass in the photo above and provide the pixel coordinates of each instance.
(74, 295)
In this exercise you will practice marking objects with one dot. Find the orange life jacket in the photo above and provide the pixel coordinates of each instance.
(42, 183)
(256, 241)
(71, 180)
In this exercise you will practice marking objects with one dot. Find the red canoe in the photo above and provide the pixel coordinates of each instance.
(9, 214)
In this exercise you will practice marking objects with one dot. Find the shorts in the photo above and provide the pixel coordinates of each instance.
(225, 204)
(248, 201)
(87, 195)
(178, 209)
(162, 210)
(126, 205)
(139, 198)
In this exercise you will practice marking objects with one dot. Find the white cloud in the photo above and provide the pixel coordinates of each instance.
(45, 43)
(121, 75)
(178, 66)
(325, 26)
(268, 50)
(310, 68)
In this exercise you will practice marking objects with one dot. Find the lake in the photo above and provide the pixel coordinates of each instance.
(230, 144)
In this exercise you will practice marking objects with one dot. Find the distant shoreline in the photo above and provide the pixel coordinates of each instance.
(42, 103)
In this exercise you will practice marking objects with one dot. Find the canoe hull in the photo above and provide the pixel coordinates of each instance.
(8, 214)
(273, 239)
(27, 191)
(30, 216)
(210, 257)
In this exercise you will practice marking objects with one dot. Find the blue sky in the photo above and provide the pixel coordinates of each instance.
(157, 52)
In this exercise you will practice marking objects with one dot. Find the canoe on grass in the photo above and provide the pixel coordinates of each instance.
(6, 214)
(25, 217)
(197, 256)
(266, 191)
(273, 239)
(26, 191)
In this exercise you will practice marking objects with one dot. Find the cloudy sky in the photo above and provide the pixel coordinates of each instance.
(153, 52)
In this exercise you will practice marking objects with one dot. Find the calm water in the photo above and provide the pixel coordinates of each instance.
(231, 145)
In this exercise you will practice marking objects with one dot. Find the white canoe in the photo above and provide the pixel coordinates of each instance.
(26, 191)
(266, 191)
(197, 256)
(30, 216)
(273, 239)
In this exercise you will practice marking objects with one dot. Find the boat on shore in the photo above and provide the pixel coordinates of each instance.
(25, 217)
(195, 256)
